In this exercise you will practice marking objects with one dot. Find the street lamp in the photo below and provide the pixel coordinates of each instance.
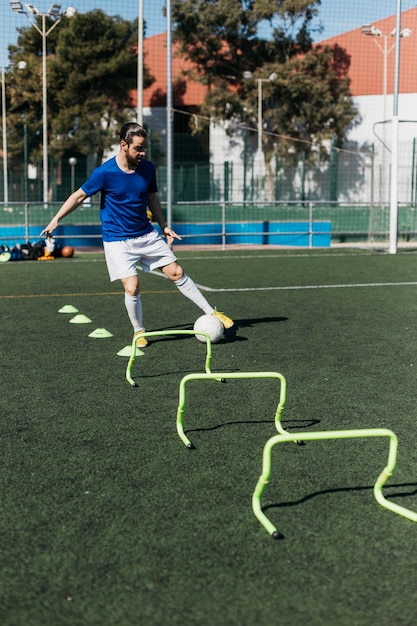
(376, 33)
(139, 104)
(72, 163)
(21, 66)
(247, 75)
(259, 169)
(369, 29)
(4, 127)
(53, 12)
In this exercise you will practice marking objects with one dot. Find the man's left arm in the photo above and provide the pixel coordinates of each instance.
(156, 210)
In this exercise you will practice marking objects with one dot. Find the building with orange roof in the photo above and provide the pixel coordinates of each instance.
(372, 54)
(186, 92)
(368, 54)
(187, 95)
(371, 72)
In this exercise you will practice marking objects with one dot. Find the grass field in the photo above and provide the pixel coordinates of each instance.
(108, 520)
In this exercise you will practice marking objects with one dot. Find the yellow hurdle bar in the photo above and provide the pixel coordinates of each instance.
(162, 333)
(224, 376)
(324, 435)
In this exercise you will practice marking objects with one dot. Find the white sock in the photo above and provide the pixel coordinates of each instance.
(133, 306)
(190, 290)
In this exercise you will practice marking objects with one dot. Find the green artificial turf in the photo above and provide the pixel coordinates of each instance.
(107, 519)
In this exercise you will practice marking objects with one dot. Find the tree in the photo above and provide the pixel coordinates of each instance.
(91, 70)
(220, 35)
(308, 101)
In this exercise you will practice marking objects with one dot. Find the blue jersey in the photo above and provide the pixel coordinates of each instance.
(124, 198)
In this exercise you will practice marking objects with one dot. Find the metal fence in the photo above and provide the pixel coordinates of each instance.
(348, 176)
(223, 223)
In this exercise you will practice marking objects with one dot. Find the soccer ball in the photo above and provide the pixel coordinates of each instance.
(210, 325)
(67, 251)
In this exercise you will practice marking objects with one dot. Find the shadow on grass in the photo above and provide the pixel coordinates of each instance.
(230, 334)
(182, 372)
(248, 323)
(305, 423)
(310, 496)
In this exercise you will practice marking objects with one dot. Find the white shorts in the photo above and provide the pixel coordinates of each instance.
(150, 250)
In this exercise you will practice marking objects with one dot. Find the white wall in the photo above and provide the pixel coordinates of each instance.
(364, 163)
(372, 131)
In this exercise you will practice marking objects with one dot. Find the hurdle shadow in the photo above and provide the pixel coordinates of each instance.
(323, 492)
(296, 424)
(179, 372)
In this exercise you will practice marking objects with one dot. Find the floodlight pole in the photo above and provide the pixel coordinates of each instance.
(44, 34)
(369, 29)
(247, 75)
(139, 104)
(260, 115)
(169, 112)
(53, 12)
(3, 116)
(393, 222)
(376, 34)
(72, 163)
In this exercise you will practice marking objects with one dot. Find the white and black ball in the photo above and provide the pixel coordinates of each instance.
(211, 325)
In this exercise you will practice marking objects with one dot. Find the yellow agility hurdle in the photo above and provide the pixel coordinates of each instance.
(223, 376)
(324, 435)
(161, 333)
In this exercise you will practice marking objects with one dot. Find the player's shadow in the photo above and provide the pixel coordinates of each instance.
(248, 323)
(174, 337)
(230, 334)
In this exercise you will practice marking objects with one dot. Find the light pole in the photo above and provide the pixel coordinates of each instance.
(26, 160)
(72, 162)
(170, 114)
(4, 127)
(377, 35)
(397, 32)
(247, 75)
(53, 12)
(260, 115)
(139, 104)
(259, 166)
(21, 66)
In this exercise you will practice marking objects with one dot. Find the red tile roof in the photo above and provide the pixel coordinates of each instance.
(366, 70)
(367, 59)
(186, 92)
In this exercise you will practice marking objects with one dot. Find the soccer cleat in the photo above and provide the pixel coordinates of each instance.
(141, 341)
(226, 321)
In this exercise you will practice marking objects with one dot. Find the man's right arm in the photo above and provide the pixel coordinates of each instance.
(70, 204)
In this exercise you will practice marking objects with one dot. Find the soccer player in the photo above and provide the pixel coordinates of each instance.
(127, 183)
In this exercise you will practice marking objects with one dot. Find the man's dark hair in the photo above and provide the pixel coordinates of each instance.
(130, 130)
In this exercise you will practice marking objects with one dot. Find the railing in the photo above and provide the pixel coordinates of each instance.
(307, 224)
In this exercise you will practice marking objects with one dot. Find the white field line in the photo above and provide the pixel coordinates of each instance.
(301, 287)
(281, 288)
(278, 255)
(297, 287)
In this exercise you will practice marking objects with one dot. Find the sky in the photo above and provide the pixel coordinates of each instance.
(336, 16)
